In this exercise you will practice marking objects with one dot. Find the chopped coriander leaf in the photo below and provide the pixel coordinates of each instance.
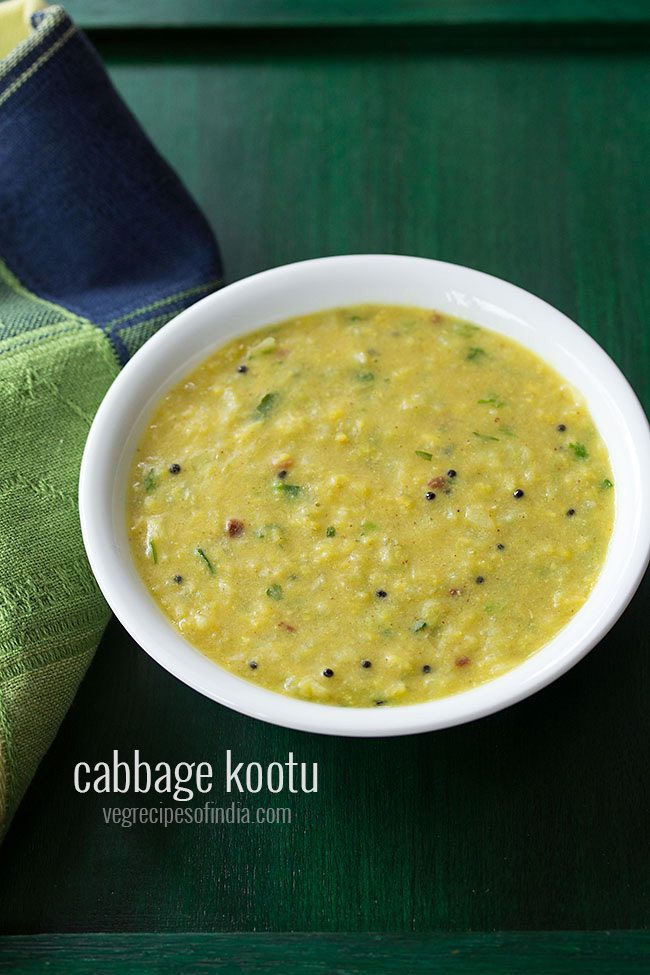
(266, 404)
(331, 532)
(485, 436)
(365, 377)
(288, 490)
(418, 625)
(424, 454)
(274, 592)
(201, 554)
(153, 551)
(368, 526)
(475, 353)
(492, 400)
(579, 450)
(606, 484)
(465, 329)
(150, 480)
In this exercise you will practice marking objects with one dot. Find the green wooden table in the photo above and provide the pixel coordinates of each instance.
(485, 133)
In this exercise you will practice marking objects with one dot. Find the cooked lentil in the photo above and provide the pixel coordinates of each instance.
(363, 445)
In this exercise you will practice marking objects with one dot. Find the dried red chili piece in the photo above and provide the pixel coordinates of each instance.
(437, 482)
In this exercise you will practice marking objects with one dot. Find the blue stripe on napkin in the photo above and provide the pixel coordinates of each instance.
(91, 217)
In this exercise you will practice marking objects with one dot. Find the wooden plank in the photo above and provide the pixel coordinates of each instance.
(336, 13)
(563, 953)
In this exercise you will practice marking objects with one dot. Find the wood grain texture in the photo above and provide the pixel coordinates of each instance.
(522, 953)
(336, 13)
(529, 165)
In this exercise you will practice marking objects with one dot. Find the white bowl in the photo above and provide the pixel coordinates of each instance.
(297, 289)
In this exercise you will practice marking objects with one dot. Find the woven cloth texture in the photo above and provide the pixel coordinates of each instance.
(99, 246)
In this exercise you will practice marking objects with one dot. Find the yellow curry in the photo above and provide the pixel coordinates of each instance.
(370, 506)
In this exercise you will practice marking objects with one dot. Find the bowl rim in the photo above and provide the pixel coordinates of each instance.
(135, 390)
